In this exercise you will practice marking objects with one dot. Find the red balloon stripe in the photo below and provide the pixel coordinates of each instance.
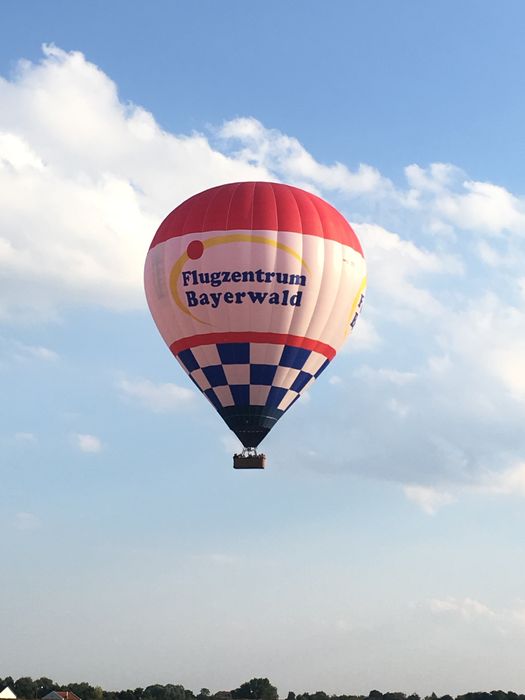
(248, 206)
(252, 337)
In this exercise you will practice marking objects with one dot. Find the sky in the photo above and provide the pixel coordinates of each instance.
(383, 546)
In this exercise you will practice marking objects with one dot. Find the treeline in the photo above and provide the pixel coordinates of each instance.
(26, 688)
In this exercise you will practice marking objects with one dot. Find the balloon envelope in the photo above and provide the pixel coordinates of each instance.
(254, 286)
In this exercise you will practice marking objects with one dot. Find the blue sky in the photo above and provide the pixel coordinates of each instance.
(383, 543)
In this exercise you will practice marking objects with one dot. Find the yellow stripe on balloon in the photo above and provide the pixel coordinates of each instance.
(360, 291)
(174, 278)
(254, 238)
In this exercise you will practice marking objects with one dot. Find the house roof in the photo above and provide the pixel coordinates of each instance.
(61, 695)
(6, 692)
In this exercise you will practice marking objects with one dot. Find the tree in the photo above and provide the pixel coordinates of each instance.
(256, 689)
(44, 685)
(25, 687)
(84, 690)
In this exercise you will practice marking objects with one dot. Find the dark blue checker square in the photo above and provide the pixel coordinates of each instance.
(188, 360)
(275, 396)
(262, 374)
(215, 375)
(213, 398)
(294, 357)
(241, 394)
(234, 353)
(322, 368)
(301, 380)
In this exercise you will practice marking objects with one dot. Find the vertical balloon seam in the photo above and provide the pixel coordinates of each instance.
(251, 265)
(221, 227)
(286, 379)
(235, 189)
(181, 235)
(337, 295)
(341, 276)
(302, 331)
(289, 378)
(208, 309)
(277, 226)
(239, 191)
(323, 249)
(274, 254)
(290, 374)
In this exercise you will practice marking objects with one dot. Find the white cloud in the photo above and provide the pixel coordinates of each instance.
(491, 334)
(335, 379)
(38, 352)
(25, 437)
(84, 182)
(277, 152)
(484, 208)
(439, 177)
(398, 407)
(509, 481)
(14, 350)
(398, 273)
(449, 198)
(159, 398)
(468, 608)
(471, 611)
(363, 337)
(27, 522)
(384, 374)
(88, 443)
(427, 498)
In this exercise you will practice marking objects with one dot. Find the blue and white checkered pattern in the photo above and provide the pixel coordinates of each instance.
(252, 374)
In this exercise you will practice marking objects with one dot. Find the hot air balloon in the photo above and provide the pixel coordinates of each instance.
(254, 286)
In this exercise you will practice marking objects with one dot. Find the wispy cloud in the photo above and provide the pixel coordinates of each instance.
(25, 437)
(27, 522)
(472, 611)
(467, 608)
(88, 443)
(430, 500)
(37, 352)
(505, 482)
(280, 153)
(14, 350)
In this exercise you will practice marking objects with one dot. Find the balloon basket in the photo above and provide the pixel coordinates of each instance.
(249, 459)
